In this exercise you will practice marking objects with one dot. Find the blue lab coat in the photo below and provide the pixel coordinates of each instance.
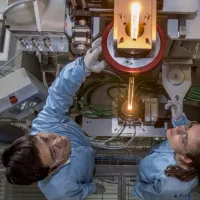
(153, 184)
(73, 181)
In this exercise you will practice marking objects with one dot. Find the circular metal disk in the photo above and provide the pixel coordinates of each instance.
(131, 65)
(176, 77)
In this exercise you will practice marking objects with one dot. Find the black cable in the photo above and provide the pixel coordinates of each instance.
(114, 87)
(2, 74)
(194, 70)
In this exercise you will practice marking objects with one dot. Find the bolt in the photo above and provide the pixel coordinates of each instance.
(177, 97)
(147, 101)
(147, 40)
(175, 76)
(122, 16)
(154, 102)
(121, 40)
(147, 17)
(143, 130)
(82, 22)
(147, 119)
(115, 129)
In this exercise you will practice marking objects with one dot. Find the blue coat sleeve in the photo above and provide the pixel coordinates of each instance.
(60, 96)
(181, 122)
(161, 188)
(78, 191)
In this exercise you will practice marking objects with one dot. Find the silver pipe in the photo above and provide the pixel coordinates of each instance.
(1, 67)
(101, 10)
(10, 7)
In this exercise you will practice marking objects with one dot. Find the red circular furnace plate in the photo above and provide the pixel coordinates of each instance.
(145, 68)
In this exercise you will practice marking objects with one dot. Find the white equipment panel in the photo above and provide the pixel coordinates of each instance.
(21, 95)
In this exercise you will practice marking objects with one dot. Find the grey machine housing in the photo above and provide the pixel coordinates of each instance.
(21, 94)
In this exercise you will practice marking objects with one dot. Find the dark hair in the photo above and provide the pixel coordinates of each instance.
(23, 163)
(186, 175)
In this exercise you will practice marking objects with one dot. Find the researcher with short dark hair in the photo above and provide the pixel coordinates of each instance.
(57, 154)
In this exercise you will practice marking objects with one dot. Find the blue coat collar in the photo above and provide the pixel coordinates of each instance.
(164, 148)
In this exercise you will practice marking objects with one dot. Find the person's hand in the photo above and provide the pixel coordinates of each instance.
(91, 58)
(176, 109)
(99, 189)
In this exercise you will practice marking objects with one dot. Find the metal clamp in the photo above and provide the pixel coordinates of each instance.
(182, 29)
(151, 109)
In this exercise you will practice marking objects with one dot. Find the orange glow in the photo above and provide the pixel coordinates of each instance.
(130, 93)
(135, 18)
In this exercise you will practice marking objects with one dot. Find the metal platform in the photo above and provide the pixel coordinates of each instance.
(116, 174)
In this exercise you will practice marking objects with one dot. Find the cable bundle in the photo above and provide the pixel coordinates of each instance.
(193, 94)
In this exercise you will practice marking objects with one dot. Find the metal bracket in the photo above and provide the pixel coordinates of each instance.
(116, 179)
(151, 109)
(128, 180)
(182, 29)
(81, 3)
(176, 81)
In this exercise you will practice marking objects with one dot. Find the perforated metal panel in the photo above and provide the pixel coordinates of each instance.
(112, 188)
(115, 174)
(114, 191)
(20, 193)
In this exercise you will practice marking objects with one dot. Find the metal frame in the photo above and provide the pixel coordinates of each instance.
(23, 86)
(110, 127)
(4, 54)
(122, 15)
(176, 80)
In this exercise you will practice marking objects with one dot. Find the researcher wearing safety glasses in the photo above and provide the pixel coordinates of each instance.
(172, 169)
(57, 154)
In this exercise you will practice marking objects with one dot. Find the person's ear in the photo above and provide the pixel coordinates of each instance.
(186, 160)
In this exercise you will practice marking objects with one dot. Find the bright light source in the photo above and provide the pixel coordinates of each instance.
(130, 107)
(130, 93)
(135, 18)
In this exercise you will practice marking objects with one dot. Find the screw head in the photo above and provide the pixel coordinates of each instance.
(147, 119)
(122, 16)
(147, 101)
(147, 40)
(154, 101)
(177, 97)
(121, 40)
(147, 17)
